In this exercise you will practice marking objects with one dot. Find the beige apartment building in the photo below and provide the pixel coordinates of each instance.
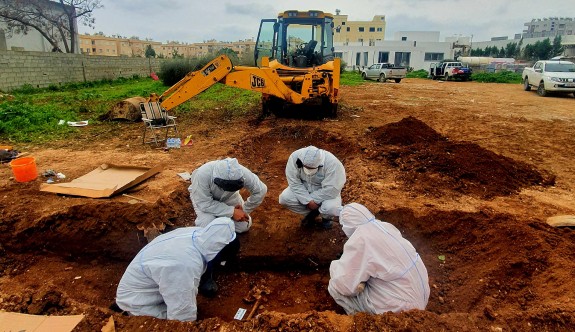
(114, 46)
(365, 32)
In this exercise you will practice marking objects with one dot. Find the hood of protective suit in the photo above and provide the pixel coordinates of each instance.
(312, 157)
(211, 239)
(228, 169)
(352, 216)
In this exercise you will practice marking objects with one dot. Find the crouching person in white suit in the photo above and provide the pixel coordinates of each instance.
(379, 270)
(162, 280)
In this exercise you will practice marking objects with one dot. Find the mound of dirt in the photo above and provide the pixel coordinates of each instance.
(430, 162)
(127, 109)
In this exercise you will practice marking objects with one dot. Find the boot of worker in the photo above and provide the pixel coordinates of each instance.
(309, 219)
(326, 223)
(208, 286)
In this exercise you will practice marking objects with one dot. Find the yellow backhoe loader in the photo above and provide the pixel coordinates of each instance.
(294, 65)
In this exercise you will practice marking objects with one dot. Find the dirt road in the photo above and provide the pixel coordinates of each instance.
(467, 171)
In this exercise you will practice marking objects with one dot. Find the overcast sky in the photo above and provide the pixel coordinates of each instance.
(195, 21)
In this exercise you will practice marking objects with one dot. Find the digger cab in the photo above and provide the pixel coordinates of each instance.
(297, 39)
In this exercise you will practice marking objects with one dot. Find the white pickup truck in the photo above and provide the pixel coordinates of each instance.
(383, 72)
(550, 76)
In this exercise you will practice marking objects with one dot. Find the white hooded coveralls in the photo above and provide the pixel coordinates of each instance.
(162, 280)
(323, 187)
(375, 253)
(210, 201)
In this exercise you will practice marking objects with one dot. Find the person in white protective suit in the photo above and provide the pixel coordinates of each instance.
(162, 280)
(379, 270)
(315, 179)
(215, 192)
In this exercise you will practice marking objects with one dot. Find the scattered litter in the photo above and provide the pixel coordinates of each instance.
(77, 123)
(61, 122)
(185, 175)
(49, 173)
(173, 143)
(60, 176)
(441, 258)
(240, 314)
(8, 154)
(137, 198)
(354, 116)
(67, 268)
(50, 180)
(187, 141)
(78, 277)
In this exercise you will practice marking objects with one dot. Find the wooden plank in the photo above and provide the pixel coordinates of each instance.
(561, 221)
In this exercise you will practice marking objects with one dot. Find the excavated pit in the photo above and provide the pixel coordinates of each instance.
(485, 267)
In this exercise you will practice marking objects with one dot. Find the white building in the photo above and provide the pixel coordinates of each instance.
(416, 49)
(32, 40)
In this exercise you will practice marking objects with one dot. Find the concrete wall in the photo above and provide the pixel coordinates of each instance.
(41, 69)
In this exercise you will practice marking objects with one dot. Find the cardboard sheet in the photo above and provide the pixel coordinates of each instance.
(13, 321)
(105, 181)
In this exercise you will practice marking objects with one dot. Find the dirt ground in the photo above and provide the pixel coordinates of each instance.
(469, 173)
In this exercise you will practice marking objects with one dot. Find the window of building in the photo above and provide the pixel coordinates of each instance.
(338, 55)
(347, 29)
(383, 57)
(93, 42)
(342, 23)
(379, 29)
(361, 29)
(403, 38)
(93, 50)
(365, 58)
(357, 58)
(433, 56)
(371, 29)
(402, 59)
(360, 40)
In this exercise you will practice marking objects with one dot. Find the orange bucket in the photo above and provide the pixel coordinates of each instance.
(24, 169)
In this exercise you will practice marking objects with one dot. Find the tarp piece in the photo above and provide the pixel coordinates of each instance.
(12, 321)
(105, 181)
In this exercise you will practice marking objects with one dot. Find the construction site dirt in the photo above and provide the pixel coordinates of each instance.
(468, 172)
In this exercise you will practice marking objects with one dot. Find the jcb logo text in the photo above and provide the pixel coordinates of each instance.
(257, 82)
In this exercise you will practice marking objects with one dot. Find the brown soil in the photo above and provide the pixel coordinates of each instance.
(469, 172)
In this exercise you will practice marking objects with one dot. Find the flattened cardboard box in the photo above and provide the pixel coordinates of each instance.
(104, 181)
(12, 321)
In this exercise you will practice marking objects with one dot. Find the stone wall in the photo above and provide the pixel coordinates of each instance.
(40, 69)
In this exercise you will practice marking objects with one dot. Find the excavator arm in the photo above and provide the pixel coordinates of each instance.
(269, 80)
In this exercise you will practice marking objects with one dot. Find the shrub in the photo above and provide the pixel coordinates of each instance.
(174, 70)
(499, 77)
(421, 73)
(342, 67)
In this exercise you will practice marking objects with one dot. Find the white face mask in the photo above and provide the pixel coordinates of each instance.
(309, 171)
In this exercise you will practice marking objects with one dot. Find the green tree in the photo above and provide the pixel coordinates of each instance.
(150, 52)
(54, 20)
(557, 49)
(230, 53)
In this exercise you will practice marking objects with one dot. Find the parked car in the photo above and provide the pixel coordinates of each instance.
(383, 72)
(450, 70)
(550, 76)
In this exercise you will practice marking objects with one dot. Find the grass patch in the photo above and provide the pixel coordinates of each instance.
(351, 78)
(499, 77)
(421, 73)
(33, 114)
(229, 100)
